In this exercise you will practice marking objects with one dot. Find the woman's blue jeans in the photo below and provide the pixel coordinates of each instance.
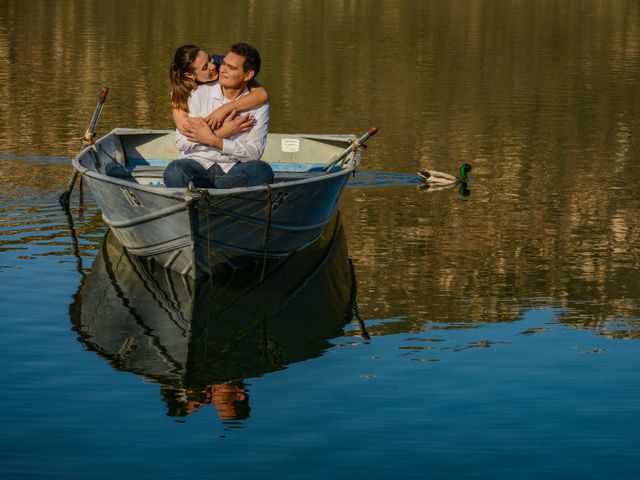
(180, 172)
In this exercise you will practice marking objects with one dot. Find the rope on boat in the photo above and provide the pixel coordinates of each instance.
(267, 229)
(204, 199)
(88, 139)
(203, 202)
(356, 145)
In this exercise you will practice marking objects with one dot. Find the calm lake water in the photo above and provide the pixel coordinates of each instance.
(430, 335)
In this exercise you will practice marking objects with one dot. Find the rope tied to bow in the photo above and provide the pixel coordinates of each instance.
(356, 146)
(88, 139)
(202, 202)
(267, 229)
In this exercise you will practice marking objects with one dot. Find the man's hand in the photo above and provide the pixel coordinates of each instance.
(235, 124)
(197, 130)
(216, 118)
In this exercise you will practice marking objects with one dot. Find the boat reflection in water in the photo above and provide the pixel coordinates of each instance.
(201, 340)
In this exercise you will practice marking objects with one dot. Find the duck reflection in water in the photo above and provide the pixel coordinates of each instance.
(199, 341)
(463, 188)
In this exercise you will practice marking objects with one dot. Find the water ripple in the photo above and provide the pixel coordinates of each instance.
(32, 223)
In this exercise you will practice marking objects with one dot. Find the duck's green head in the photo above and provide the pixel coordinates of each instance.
(465, 168)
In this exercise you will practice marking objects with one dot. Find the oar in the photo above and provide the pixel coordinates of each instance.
(86, 140)
(354, 146)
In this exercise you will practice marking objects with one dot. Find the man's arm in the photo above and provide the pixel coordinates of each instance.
(256, 97)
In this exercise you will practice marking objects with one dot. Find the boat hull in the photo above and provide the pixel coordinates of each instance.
(197, 232)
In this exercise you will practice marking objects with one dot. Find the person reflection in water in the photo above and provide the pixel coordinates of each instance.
(230, 399)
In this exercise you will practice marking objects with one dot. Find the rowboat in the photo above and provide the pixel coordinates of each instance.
(194, 337)
(195, 231)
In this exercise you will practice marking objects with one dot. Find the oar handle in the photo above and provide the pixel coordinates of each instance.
(86, 140)
(356, 144)
(370, 133)
(91, 131)
(103, 94)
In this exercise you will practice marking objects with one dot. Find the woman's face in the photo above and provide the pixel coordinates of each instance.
(202, 69)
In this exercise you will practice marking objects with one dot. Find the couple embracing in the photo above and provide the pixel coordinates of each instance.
(219, 147)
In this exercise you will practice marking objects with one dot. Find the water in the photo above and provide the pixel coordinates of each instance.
(502, 324)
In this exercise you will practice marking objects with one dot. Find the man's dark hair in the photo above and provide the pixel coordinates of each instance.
(251, 56)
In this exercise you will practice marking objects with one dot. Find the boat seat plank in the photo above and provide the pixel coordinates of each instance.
(153, 175)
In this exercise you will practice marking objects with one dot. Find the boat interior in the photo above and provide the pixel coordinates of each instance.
(141, 156)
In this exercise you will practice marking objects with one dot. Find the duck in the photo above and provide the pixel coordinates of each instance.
(432, 177)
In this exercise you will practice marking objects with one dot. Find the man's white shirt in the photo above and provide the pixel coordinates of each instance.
(238, 148)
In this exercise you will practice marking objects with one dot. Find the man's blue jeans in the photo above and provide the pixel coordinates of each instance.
(180, 172)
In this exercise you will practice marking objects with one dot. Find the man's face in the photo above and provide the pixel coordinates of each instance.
(232, 72)
(203, 69)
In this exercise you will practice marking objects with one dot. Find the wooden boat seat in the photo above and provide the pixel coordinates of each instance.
(142, 174)
(153, 175)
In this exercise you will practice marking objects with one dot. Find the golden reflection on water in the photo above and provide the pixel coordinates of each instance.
(32, 224)
(540, 97)
(447, 259)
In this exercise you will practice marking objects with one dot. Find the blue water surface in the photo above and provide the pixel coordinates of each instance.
(531, 398)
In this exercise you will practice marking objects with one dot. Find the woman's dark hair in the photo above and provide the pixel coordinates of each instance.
(251, 57)
(181, 84)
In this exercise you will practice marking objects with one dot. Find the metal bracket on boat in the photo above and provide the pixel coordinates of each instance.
(131, 197)
(194, 193)
(88, 139)
(354, 146)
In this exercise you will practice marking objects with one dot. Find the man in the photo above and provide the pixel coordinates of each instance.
(224, 158)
